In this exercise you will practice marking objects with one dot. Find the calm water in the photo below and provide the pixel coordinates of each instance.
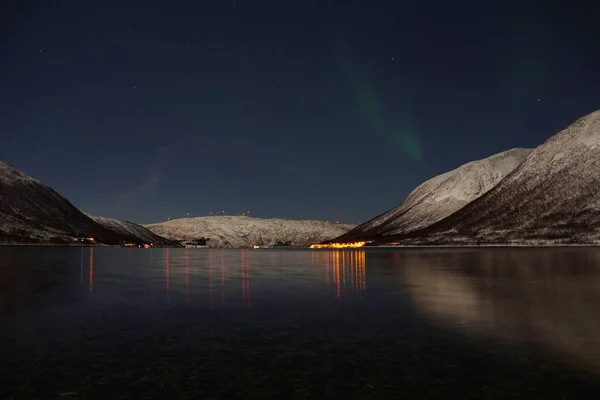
(178, 323)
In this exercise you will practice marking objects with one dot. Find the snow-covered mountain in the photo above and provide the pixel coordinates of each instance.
(242, 231)
(31, 212)
(134, 232)
(552, 197)
(440, 196)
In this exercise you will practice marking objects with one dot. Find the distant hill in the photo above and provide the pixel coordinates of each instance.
(242, 231)
(31, 212)
(440, 196)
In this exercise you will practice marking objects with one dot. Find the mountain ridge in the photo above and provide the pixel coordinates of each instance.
(33, 212)
(552, 197)
(440, 196)
(128, 229)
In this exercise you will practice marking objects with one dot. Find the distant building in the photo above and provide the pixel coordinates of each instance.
(85, 240)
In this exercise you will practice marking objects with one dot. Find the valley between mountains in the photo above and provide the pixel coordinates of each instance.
(549, 195)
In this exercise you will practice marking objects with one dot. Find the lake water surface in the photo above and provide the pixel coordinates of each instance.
(113, 323)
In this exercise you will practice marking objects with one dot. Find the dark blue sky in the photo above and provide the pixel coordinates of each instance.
(301, 109)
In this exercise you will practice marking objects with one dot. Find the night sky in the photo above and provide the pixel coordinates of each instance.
(304, 109)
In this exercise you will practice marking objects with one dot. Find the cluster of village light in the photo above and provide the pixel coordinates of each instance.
(337, 245)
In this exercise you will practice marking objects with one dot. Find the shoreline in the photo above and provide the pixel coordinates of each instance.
(477, 246)
(403, 247)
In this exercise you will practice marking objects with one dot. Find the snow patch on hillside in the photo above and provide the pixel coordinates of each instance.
(10, 175)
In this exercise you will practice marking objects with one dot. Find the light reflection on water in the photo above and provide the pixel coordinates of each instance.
(376, 299)
(343, 272)
(546, 297)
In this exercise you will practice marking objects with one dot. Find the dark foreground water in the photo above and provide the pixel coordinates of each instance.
(453, 324)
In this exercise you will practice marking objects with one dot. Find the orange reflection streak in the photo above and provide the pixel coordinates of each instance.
(343, 265)
(81, 268)
(248, 279)
(336, 270)
(348, 269)
(362, 271)
(210, 299)
(167, 275)
(187, 275)
(91, 288)
(327, 267)
(243, 285)
(358, 272)
(357, 275)
(352, 269)
(222, 276)
(245, 280)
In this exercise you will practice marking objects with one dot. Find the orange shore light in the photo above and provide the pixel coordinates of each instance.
(338, 245)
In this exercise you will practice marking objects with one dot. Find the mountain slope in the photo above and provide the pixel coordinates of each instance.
(31, 212)
(129, 230)
(441, 196)
(241, 231)
(552, 197)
